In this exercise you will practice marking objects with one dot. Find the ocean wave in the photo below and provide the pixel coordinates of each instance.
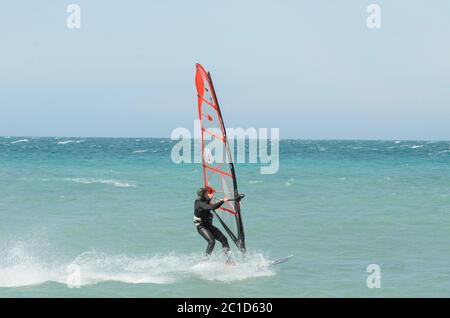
(19, 141)
(255, 181)
(94, 267)
(141, 151)
(416, 146)
(115, 183)
(65, 142)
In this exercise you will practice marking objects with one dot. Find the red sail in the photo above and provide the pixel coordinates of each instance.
(218, 169)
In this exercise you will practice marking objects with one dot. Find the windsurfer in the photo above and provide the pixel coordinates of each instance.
(203, 220)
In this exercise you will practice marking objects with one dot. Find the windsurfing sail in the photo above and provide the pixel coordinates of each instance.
(218, 170)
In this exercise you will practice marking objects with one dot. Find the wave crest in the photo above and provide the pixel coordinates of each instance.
(115, 183)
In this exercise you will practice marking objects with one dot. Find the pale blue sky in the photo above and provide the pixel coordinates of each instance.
(311, 68)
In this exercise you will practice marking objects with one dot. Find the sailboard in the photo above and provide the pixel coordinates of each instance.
(280, 260)
(219, 175)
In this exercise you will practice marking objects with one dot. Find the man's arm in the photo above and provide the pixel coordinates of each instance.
(209, 207)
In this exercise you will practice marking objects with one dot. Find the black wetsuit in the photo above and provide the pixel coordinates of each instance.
(203, 220)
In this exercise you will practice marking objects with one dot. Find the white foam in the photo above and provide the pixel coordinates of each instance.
(255, 181)
(416, 146)
(94, 267)
(141, 151)
(65, 142)
(19, 268)
(19, 141)
(24, 275)
(115, 183)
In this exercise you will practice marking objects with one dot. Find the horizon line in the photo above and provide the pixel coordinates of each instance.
(287, 138)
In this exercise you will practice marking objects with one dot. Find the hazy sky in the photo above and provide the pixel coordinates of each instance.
(311, 68)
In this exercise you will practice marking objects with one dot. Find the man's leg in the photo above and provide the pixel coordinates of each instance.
(218, 235)
(209, 237)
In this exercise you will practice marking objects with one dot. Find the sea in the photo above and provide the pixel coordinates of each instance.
(112, 217)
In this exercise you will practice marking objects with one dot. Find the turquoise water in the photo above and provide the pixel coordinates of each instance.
(121, 211)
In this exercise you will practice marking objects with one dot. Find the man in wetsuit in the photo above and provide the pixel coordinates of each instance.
(203, 220)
